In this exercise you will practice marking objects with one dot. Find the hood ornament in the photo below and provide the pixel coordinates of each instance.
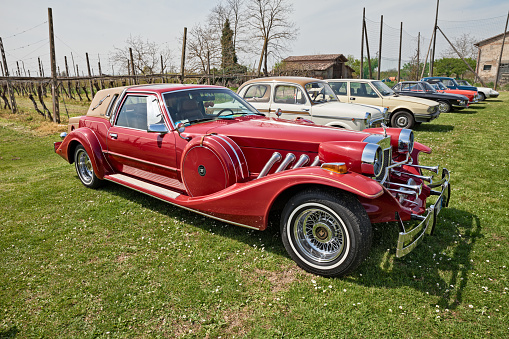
(384, 126)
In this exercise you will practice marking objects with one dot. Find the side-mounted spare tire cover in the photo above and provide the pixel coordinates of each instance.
(211, 164)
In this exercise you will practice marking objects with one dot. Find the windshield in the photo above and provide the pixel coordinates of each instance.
(383, 88)
(320, 92)
(205, 104)
(463, 82)
(440, 86)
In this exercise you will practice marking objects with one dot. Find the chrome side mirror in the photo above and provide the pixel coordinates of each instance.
(181, 128)
(157, 128)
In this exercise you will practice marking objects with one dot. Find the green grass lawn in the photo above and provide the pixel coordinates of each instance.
(76, 262)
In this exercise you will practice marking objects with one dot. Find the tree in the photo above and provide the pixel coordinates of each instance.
(270, 23)
(202, 49)
(464, 44)
(146, 54)
(228, 55)
(452, 66)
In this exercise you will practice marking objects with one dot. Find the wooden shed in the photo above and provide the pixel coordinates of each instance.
(322, 66)
(488, 59)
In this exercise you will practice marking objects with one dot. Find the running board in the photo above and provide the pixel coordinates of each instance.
(142, 186)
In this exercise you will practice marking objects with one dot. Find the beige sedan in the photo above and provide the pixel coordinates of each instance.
(404, 111)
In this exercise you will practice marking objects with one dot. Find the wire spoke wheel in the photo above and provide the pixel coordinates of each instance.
(85, 168)
(319, 234)
(326, 232)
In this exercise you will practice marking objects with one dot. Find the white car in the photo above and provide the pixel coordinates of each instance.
(310, 99)
(484, 92)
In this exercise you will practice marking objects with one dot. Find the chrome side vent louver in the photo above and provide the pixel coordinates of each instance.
(290, 157)
(303, 160)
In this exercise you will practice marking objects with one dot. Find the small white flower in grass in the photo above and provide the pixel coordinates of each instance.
(437, 311)
(313, 281)
(325, 304)
(390, 310)
(344, 290)
(330, 286)
(401, 307)
(471, 306)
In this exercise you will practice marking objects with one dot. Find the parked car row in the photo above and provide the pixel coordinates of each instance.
(209, 150)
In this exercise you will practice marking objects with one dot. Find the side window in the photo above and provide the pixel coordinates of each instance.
(286, 94)
(154, 115)
(338, 87)
(111, 105)
(133, 113)
(447, 83)
(258, 93)
(397, 88)
(362, 90)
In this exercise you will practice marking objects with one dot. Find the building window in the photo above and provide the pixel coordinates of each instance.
(486, 68)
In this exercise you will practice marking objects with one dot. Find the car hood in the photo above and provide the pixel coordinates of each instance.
(344, 109)
(275, 133)
(409, 99)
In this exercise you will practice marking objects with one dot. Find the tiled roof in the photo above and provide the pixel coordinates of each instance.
(318, 57)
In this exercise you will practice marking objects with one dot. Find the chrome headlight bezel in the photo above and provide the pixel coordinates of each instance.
(406, 141)
(373, 155)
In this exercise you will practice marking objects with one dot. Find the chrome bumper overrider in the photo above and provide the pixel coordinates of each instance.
(408, 240)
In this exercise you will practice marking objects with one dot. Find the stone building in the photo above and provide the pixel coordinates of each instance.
(322, 66)
(488, 57)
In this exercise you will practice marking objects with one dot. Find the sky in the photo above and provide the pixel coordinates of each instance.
(325, 26)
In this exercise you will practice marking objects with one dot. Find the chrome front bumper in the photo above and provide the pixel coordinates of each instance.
(408, 240)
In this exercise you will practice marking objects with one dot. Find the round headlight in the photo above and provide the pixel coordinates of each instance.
(372, 155)
(406, 141)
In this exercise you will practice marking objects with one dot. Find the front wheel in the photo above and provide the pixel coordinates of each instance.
(482, 97)
(84, 168)
(444, 107)
(326, 233)
(403, 119)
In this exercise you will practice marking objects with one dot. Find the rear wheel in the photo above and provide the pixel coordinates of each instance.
(402, 119)
(326, 233)
(84, 168)
(444, 107)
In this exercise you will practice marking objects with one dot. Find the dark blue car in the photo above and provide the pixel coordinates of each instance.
(449, 83)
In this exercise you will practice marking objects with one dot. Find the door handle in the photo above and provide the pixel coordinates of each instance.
(352, 98)
(114, 135)
(305, 109)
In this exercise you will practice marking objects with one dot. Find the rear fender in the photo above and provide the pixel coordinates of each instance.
(89, 141)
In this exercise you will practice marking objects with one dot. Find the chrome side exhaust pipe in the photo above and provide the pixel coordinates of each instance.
(422, 177)
(303, 160)
(276, 157)
(290, 157)
(415, 188)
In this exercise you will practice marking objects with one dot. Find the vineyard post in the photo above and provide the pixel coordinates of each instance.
(6, 70)
(90, 76)
(54, 84)
(183, 60)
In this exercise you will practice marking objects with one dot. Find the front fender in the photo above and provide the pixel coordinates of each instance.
(240, 197)
(87, 138)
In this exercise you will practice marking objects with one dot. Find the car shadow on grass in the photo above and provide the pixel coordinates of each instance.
(434, 128)
(440, 265)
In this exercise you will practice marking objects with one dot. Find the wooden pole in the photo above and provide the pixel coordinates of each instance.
(54, 83)
(427, 54)
(362, 43)
(183, 58)
(132, 65)
(367, 50)
(400, 46)
(9, 88)
(90, 76)
(162, 70)
(208, 67)
(100, 71)
(380, 48)
(432, 60)
(418, 51)
(501, 51)
(68, 81)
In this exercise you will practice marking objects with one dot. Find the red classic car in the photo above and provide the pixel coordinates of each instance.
(205, 149)
(440, 87)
